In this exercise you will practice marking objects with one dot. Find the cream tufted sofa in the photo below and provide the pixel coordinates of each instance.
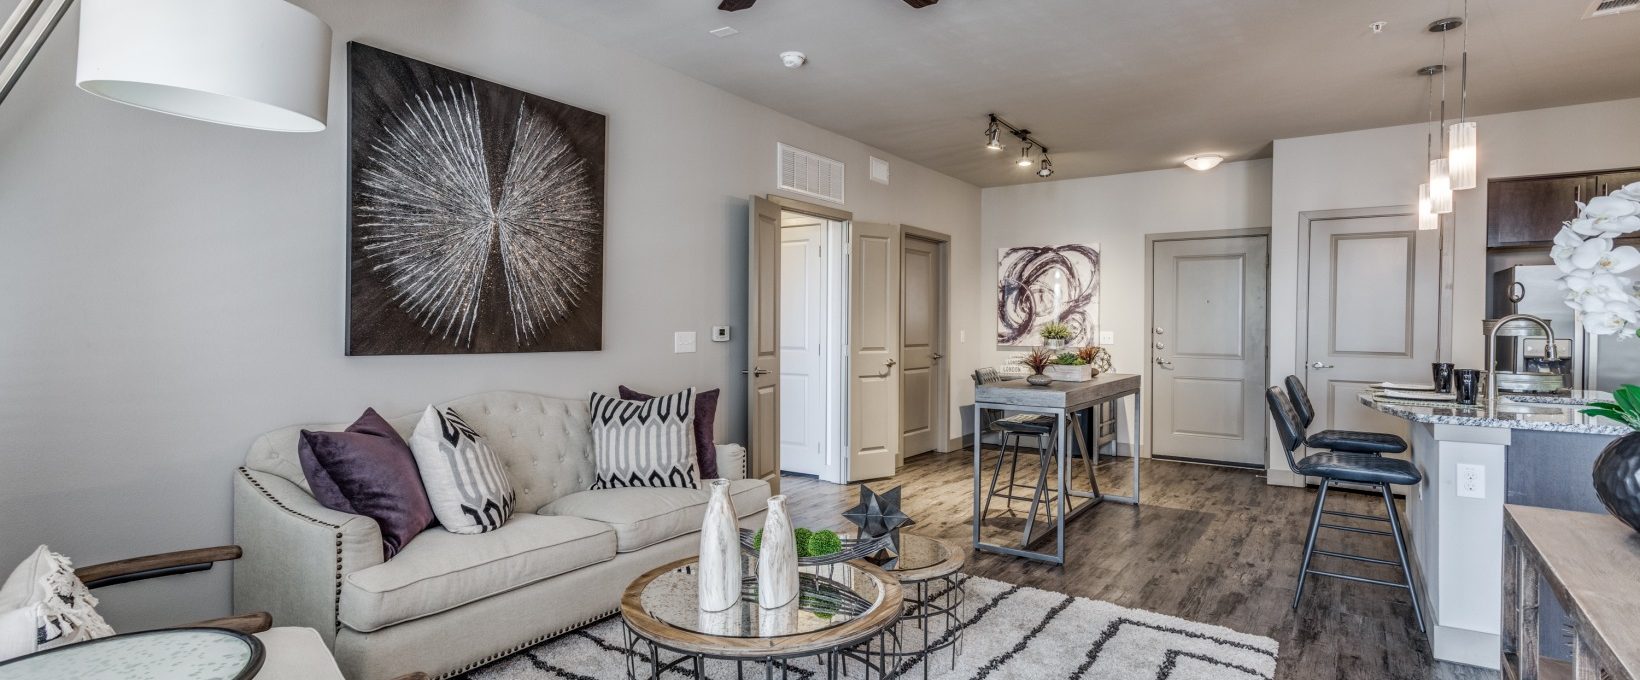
(449, 603)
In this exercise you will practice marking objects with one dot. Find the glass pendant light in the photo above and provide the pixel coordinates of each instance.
(1440, 187)
(1460, 137)
(1427, 219)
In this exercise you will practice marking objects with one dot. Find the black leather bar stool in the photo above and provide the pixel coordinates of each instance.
(1013, 430)
(1340, 466)
(1349, 441)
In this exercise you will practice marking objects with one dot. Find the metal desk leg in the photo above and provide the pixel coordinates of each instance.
(1064, 485)
(979, 447)
(1138, 443)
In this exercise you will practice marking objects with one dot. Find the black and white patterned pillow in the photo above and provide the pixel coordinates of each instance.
(468, 488)
(644, 443)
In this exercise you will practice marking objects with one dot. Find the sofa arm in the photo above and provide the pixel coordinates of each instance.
(296, 552)
(731, 461)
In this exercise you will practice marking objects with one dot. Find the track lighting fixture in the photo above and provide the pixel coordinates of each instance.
(993, 136)
(993, 141)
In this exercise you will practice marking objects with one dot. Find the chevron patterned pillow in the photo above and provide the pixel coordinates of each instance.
(644, 443)
(466, 483)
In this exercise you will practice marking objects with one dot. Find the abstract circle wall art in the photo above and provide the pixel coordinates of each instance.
(1041, 284)
(476, 214)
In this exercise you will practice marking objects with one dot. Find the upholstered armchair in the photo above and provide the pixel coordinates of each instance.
(292, 653)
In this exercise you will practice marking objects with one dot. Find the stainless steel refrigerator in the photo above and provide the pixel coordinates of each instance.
(1597, 362)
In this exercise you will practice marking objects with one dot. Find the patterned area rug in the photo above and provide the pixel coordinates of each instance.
(1009, 632)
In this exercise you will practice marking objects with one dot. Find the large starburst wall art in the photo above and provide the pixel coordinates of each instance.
(477, 214)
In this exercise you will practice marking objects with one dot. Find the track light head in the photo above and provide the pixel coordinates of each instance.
(1046, 170)
(1025, 156)
(993, 136)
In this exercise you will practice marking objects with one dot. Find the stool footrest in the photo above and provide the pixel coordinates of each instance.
(1359, 579)
(1355, 515)
(1358, 558)
(1358, 530)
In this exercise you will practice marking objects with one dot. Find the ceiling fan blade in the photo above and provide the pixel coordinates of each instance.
(919, 4)
(737, 5)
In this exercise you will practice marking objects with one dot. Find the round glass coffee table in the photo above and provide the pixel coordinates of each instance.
(929, 569)
(195, 653)
(839, 608)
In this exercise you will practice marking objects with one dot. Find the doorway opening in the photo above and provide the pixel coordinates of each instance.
(813, 322)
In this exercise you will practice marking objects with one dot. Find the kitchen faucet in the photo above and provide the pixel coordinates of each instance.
(1550, 351)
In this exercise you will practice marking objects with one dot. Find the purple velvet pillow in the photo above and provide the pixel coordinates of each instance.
(705, 414)
(368, 470)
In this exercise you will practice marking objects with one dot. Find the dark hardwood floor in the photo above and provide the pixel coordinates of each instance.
(1209, 544)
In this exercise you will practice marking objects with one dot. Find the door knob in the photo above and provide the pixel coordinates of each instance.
(1164, 363)
(755, 372)
(890, 363)
(1318, 365)
(936, 356)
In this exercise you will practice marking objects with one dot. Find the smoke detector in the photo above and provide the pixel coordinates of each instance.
(1606, 8)
(794, 59)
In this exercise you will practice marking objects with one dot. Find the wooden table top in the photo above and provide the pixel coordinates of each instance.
(1592, 562)
(1059, 394)
(883, 614)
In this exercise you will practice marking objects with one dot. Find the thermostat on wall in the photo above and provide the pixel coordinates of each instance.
(720, 334)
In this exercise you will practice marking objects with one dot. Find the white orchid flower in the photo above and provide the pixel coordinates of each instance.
(1610, 215)
(1599, 255)
(1565, 242)
(1585, 226)
(1630, 192)
(1605, 317)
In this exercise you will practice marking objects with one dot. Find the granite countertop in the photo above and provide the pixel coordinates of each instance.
(1517, 412)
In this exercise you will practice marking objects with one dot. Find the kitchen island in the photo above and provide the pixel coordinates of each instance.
(1530, 450)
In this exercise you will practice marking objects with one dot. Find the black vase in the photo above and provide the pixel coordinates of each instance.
(1617, 478)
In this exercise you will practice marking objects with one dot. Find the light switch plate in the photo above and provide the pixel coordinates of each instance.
(1107, 337)
(1471, 481)
(720, 334)
(683, 342)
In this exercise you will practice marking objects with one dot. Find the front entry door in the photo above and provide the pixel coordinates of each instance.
(1208, 347)
(763, 343)
(1373, 308)
(922, 400)
(874, 351)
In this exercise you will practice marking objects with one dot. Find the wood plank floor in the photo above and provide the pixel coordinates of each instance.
(1209, 544)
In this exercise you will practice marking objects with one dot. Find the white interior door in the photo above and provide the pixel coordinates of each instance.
(802, 361)
(1373, 311)
(922, 390)
(763, 342)
(1209, 303)
(874, 351)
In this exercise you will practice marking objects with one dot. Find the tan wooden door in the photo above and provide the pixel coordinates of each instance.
(803, 389)
(763, 343)
(1372, 315)
(874, 351)
(1208, 349)
(922, 401)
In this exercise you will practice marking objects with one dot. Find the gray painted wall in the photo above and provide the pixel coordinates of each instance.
(170, 289)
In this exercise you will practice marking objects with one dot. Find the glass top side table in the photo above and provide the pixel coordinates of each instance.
(193, 653)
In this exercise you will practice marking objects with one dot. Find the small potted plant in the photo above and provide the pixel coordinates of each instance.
(1097, 357)
(1037, 360)
(1055, 334)
(1070, 367)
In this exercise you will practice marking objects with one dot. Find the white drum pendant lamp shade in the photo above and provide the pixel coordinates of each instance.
(1427, 219)
(1462, 153)
(1440, 187)
(262, 64)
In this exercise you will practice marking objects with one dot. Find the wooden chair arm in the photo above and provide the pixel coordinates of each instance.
(249, 624)
(154, 566)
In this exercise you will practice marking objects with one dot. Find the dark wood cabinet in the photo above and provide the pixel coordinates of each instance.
(1608, 182)
(1531, 211)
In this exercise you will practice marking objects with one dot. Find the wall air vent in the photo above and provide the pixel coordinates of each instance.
(879, 170)
(1606, 8)
(810, 174)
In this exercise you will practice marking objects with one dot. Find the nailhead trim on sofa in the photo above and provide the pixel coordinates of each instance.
(336, 597)
(528, 644)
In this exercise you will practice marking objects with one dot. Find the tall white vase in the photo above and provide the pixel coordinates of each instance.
(777, 558)
(720, 564)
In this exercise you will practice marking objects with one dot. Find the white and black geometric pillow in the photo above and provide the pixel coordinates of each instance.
(468, 488)
(644, 443)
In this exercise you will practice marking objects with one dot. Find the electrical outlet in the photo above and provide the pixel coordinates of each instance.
(1107, 337)
(1471, 481)
(683, 342)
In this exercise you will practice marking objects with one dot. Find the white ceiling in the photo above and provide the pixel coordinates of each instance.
(1116, 86)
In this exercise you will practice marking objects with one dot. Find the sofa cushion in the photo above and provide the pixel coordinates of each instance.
(643, 517)
(440, 570)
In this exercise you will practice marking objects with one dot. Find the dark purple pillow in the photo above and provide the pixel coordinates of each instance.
(368, 470)
(705, 414)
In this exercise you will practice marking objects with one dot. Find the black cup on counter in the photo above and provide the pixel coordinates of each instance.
(1468, 384)
(1443, 376)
